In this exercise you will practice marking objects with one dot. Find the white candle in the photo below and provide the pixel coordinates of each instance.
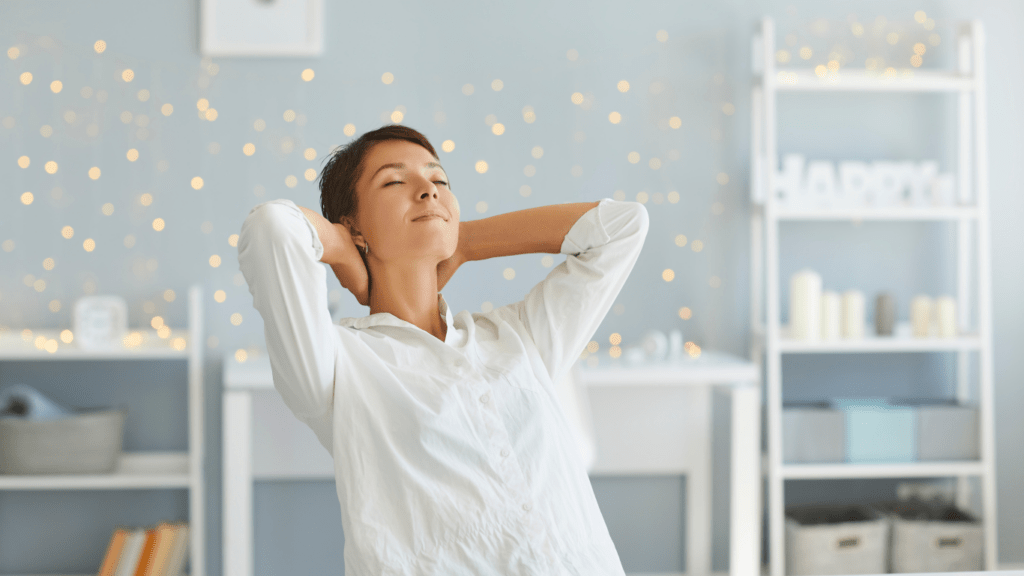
(805, 305)
(921, 315)
(853, 314)
(831, 315)
(945, 316)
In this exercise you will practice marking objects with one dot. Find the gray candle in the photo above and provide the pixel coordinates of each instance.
(885, 314)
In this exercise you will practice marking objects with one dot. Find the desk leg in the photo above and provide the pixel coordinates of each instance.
(237, 483)
(745, 505)
(698, 499)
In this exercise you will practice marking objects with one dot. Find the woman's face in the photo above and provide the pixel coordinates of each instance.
(400, 181)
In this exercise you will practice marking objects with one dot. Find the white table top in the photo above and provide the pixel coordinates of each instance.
(710, 367)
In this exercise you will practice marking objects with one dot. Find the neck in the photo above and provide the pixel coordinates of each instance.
(409, 292)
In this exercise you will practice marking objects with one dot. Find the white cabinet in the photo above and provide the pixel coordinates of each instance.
(970, 214)
(136, 469)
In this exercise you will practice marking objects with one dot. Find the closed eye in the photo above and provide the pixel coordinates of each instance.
(400, 182)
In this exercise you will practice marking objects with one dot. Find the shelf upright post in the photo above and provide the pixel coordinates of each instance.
(197, 502)
(988, 455)
(776, 512)
(756, 224)
(965, 242)
(966, 195)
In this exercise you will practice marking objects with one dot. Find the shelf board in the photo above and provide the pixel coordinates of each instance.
(901, 341)
(883, 470)
(153, 469)
(862, 80)
(897, 213)
(150, 347)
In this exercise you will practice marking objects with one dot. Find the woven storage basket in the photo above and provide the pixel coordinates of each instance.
(825, 539)
(90, 441)
(932, 537)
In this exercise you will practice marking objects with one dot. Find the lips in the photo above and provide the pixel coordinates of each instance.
(428, 215)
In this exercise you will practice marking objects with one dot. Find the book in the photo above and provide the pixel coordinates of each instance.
(131, 552)
(176, 564)
(114, 548)
(165, 542)
(147, 552)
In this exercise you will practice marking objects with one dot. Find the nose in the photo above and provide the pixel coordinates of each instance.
(427, 188)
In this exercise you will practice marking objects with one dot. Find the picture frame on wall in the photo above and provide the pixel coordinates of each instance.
(261, 27)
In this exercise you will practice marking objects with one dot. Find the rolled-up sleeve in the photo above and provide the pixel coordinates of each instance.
(563, 311)
(279, 254)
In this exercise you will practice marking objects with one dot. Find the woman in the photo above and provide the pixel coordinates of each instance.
(452, 455)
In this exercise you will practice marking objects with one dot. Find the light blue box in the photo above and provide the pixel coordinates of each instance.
(878, 431)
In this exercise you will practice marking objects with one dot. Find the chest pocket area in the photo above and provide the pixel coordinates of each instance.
(519, 398)
(516, 372)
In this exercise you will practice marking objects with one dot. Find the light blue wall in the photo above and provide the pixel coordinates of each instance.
(433, 49)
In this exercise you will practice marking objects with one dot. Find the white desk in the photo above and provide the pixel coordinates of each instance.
(652, 406)
(656, 419)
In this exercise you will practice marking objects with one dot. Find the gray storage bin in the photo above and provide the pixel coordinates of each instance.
(827, 539)
(946, 430)
(813, 432)
(88, 442)
(932, 537)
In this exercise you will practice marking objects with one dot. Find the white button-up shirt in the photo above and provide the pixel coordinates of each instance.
(451, 458)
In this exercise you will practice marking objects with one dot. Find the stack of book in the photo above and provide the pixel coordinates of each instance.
(151, 551)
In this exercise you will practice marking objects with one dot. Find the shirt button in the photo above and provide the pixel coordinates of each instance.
(485, 398)
(458, 363)
(504, 451)
(527, 506)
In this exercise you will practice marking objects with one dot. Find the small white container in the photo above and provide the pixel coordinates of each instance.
(805, 305)
(854, 317)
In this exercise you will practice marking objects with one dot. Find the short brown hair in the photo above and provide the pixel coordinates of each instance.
(344, 167)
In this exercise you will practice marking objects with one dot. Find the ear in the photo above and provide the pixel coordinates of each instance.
(349, 223)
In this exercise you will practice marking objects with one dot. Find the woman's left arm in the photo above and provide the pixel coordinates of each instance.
(529, 231)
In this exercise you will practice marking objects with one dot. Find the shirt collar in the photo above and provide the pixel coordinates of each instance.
(389, 319)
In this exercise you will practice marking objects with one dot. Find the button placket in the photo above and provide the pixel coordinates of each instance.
(508, 468)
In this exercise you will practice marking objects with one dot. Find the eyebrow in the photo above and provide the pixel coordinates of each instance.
(401, 165)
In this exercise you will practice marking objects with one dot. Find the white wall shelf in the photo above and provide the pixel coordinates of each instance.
(845, 470)
(142, 470)
(901, 341)
(151, 347)
(136, 470)
(894, 213)
(970, 216)
(904, 80)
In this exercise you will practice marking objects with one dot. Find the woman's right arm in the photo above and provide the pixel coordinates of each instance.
(341, 254)
(279, 252)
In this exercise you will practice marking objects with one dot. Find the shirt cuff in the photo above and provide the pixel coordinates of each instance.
(590, 230)
(318, 247)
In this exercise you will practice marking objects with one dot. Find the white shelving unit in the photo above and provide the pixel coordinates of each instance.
(971, 212)
(136, 469)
